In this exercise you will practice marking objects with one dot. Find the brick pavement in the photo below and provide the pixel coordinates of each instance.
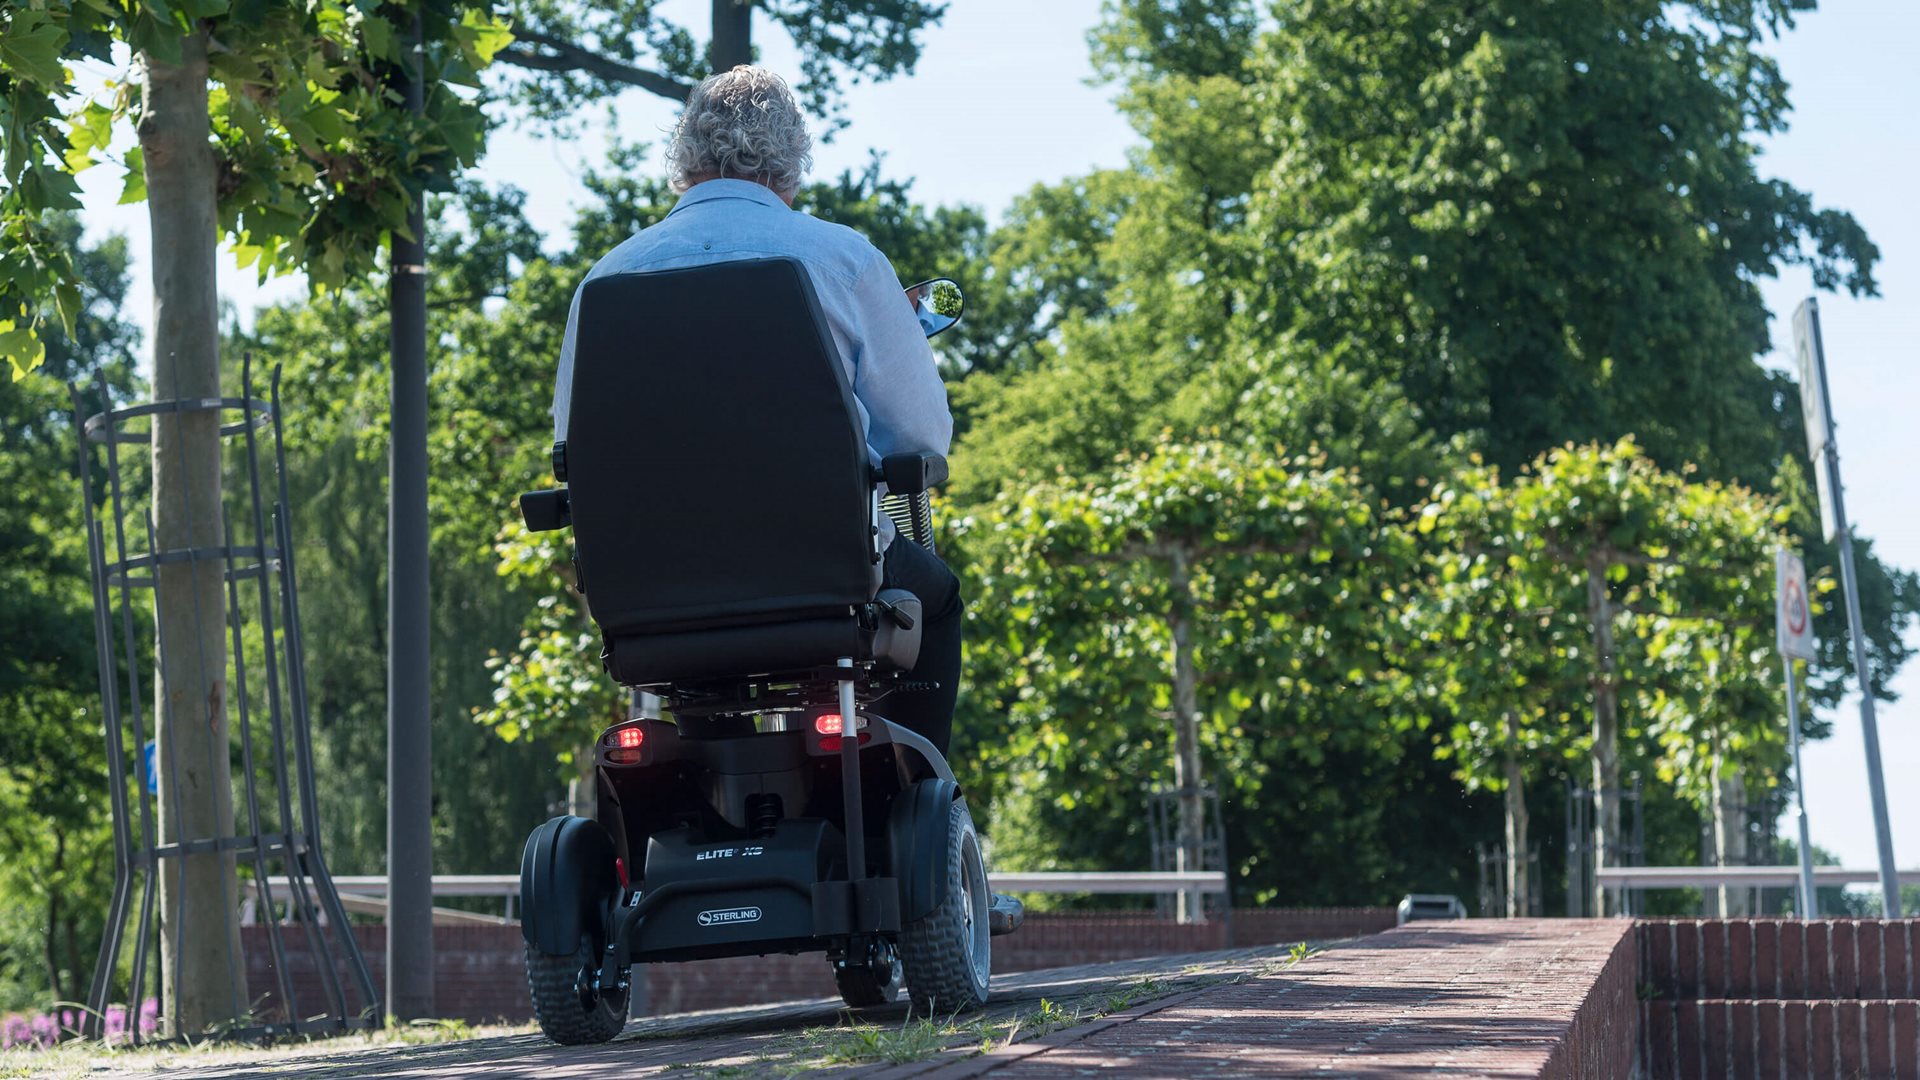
(478, 970)
(1515, 998)
(1518, 998)
(741, 1042)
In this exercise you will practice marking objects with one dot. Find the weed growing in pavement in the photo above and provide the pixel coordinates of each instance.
(423, 1032)
(920, 1039)
(1301, 951)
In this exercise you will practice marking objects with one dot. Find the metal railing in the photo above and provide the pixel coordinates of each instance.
(366, 894)
(1623, 880)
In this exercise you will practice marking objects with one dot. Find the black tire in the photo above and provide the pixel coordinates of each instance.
(553, 981)
(947, 956)
(865, 987)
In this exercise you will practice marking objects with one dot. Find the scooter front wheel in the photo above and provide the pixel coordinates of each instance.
(571, 1011)
(947, 955)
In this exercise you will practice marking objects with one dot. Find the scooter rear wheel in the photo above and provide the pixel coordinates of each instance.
(947, 955)
(565, 1014)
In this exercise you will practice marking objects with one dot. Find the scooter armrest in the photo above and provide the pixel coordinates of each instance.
(913, 472)
(545, 511)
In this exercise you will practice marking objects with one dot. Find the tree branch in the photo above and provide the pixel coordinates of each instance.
(1719, 618)
(545, 52)
(457, 301)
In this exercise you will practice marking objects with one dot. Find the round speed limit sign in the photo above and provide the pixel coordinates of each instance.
(1792, 618)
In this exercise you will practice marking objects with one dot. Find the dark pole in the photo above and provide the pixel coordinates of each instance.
(409, 730)
(732, 43)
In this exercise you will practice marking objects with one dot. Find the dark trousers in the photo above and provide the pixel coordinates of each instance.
(919, 571)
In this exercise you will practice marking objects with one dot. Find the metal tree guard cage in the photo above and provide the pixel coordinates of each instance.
(277, 827)
(1163, 824)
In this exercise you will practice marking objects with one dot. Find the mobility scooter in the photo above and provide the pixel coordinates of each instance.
(726, 528)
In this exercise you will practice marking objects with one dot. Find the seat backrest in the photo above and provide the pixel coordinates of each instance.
(715, 463)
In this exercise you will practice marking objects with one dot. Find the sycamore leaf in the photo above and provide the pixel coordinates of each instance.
(89, 129)
(22, 347)
(30, 47)
(66, 299)
(486, 35)
(136, 186)
(378, 34)
(48, 188)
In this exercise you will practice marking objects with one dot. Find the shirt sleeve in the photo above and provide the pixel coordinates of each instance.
(563, 376)
(894, 374)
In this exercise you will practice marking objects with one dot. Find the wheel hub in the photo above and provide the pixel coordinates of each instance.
(885, 963)
(586, 986)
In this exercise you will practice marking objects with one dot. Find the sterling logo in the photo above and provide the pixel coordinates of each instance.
(725, 916)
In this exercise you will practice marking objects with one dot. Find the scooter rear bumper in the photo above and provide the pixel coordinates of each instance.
(783, 892)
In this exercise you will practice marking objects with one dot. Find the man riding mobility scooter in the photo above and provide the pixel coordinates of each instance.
(726, 522)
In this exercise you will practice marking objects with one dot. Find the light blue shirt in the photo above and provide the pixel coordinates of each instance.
(902, 402)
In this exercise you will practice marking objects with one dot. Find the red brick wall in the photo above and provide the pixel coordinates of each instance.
(1603, 1037)
(1820, 998)
(479, 972)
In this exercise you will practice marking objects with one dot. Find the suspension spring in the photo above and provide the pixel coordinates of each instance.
(763, 813)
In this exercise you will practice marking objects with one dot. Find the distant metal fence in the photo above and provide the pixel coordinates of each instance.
(366, 894)
(1624, 881)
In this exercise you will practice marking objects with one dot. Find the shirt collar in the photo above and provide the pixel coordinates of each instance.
(729, 188)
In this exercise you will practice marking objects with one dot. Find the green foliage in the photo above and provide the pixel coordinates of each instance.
(1545, 221)
(316, 155)
(1398, 235)
(1069, 646)
(1506, 625)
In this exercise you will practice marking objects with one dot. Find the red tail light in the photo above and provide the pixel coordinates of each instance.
(830, 724)
(624, 744)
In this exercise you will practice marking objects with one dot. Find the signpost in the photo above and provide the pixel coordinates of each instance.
(1794, 628)
(1833, 516)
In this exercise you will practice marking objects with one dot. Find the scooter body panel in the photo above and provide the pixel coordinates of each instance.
(713, 897)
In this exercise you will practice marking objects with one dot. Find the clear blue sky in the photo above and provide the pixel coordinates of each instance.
(1005, 83)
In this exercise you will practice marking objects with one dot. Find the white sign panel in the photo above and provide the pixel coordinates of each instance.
(1813, 402)
(1793, 617)
(1823, 484)
(1813, 408)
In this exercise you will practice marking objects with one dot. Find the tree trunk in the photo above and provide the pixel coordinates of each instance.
(1519, 884)
(1606, 729)
(1729, 833)
(1186, 735)
(199, 929)
(732, 43)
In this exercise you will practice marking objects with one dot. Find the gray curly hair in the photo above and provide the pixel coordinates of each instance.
(742, 124)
